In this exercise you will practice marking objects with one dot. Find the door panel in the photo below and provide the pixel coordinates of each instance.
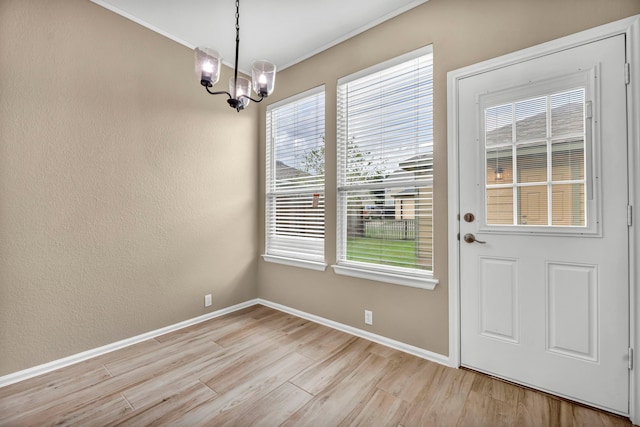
(544, 302)
(499, 298)
(572, 310)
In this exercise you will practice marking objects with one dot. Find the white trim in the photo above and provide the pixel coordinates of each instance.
(295, 262)
(354, 33)
(79, 357)
(388, 342)
(629, 27)
(454, 218)
(85, 355)
(385, 277)
(633, 121)
(145, 24)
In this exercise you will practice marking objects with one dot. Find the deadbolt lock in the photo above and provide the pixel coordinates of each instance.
(469, 217)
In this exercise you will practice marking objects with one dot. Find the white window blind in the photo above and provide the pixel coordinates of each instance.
(385, 167)
(295, 177)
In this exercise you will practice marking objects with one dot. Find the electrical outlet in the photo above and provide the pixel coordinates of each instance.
(368, 317)
(207, 300)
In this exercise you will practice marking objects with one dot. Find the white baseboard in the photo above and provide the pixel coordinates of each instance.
(397, 345)
(79, 357)
(85, 355)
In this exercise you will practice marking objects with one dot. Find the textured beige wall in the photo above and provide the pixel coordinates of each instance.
(126, 192)
(462, 32)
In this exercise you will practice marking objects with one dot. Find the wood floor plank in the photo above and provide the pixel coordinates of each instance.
(255, 388)
(295, 325)
(490, 402)
(335, 404)
(164, 356)
(535, 408)
(22, 402)
(442, 400)
(245, 369)
(160, 388)
(99, 412)
(572, 415)
(407, 375)
(247, 335)
(219, 330)
(179, 402)
(52, 380)
(224, 373)
(55, 407)
(341, 363)
(263, 367)
(72, 411)
(382, 410)
(276, 320)
(307, 333)
(233, 320)
(271, 410)
(262, 311)
(325, 344)
(143, 347)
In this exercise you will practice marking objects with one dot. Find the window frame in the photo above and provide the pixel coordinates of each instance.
(585, 79)
(291, 257)
(413, 277)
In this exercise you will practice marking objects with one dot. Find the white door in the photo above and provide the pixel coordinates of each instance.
(544, 288)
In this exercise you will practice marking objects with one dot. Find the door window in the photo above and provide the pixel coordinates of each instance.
(536, 160)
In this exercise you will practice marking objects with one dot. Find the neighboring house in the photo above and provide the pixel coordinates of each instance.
(284, 172)
(392, 193)
(404, 203)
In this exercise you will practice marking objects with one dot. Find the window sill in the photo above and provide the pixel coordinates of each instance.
(427, 283)
(295, 262)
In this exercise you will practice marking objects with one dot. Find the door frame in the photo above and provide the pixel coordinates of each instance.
(631, 28)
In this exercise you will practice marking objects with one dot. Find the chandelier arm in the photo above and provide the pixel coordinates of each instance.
(221, 92)
(254, 100)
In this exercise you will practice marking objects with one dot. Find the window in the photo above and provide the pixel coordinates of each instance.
(535, 156)
(385, 172)
(295, 181)
(540, 170)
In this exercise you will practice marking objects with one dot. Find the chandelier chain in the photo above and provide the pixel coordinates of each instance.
(237, 19)
(235, 73)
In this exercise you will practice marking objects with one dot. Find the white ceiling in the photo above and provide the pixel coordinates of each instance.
(283, 31)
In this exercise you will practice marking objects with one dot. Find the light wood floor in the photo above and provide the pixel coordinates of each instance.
(262, 367)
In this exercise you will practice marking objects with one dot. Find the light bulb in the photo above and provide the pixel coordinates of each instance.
(206, 76)
(262, 85)
(207, 67)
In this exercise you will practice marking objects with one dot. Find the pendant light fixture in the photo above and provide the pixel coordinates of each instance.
(263, 74)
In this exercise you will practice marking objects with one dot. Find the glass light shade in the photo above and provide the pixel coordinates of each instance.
(208, 63)
(263, 74)
(241, 87)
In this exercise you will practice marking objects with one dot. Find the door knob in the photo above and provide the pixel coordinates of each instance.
(470, 238)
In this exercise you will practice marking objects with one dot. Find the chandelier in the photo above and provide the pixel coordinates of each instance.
(263, 74)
